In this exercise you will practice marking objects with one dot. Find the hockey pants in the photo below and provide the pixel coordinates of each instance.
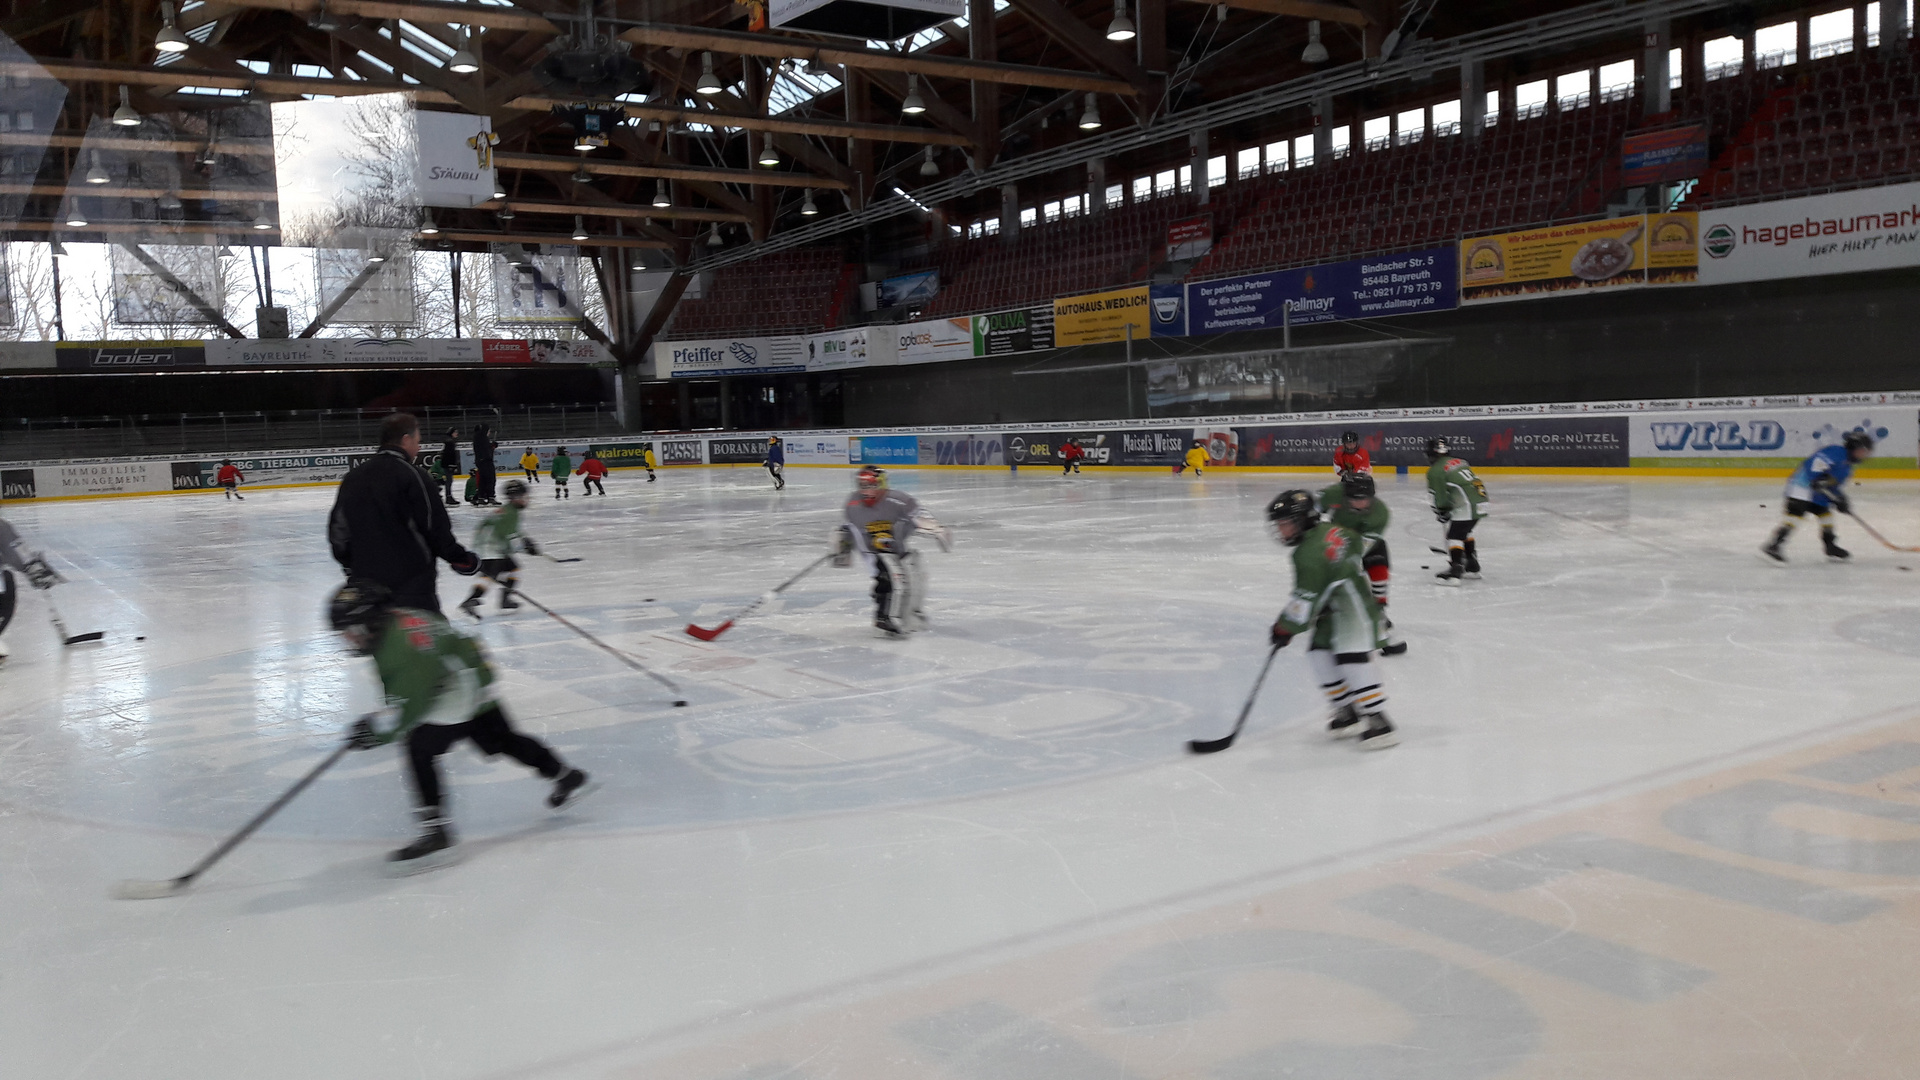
(899, 583)
(1461, 551)
(490, 732)
(591, 483)
(1348, 679)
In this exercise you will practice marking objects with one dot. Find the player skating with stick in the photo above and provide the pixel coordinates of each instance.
(776, 462)
(1351, 457)
(879, 524)
(440, 690)
(493, 541)
(1459, 502)
(595, 472)
(230, 478)
(1354, 505)
(1817, 487)
(1332, 601)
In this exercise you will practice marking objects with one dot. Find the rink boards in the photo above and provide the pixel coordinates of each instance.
(1724, 436)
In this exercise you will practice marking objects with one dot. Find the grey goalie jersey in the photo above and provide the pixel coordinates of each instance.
(884, 526)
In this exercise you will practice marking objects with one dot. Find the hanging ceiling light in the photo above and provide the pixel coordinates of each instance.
(581, 175)
(1315, 52)
(464, 62)
(427, 227)
(124, 115)
(376, 257)
(913, 105)
(226, 252)
(709, 83)
(927, 167)
(323, 20)
(59, 250)
(579, 227)
(506, 213)
(499, 186)
(768, 155)
(1121, 28)
(660, 197)
(77, 217)
(713, 237)
(807, 209)
(1089, 119)
(96, 174)
(170, 39)
(261, 221)
(170, 202)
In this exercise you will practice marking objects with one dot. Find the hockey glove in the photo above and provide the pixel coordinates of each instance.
(1280, 636)
(841, 547)
(1443, 516)
(531, 547)
(940, 533)
(362, 736)
(40, 575)
(466, 564)
(1840, 501)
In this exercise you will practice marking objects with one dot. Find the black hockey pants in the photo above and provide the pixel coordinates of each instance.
(490, 732)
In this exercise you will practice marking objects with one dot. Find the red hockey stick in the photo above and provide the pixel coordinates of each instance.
(708, 635)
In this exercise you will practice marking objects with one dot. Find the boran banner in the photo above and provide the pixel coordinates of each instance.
(1867, 229)
(1356, 289)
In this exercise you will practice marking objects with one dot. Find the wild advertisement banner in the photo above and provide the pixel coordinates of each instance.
(1093, 318)
(1769, 438)
(1592, 441)
(1656, 249)
(1849, 231)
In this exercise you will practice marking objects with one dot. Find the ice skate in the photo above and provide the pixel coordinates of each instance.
(1774, 550)
(508, 603)
(431, 851)
(1345, 723)
(1835, 553)
(1380, 733)
(1392, 645)
(471, 607)
(888, 628)
(1450, 576)
(572, 786)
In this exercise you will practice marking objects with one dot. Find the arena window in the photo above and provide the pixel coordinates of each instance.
(1530, 99)
(1116, 195)
(1052, 210)
(1186, 178)
(1029, 216)
(1723, 57)
(1616, 81)
(1070, 206)
(1410, 126)
(1276, 156)
(1216, 170)
(1246, 163)
(1164, 182)
(1779, 45)
(1676, 69)
(1492, 116)
(992, 226)
(1446, 118)
(1574, 90)
(1303, 151)
(1342, 141)
(1142, 188)
(1873, 25)
(976, 230)
(1376, 132)
(1827, 35)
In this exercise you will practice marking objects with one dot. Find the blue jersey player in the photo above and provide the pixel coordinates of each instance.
(1817, 487)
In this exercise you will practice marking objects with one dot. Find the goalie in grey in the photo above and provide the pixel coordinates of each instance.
(15, 556)
(879, 525)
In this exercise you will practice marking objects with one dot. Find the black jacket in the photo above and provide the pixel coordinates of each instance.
(483, 447)
(388, 524)
(450, 457)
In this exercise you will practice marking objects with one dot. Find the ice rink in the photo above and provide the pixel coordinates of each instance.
(1656, 812)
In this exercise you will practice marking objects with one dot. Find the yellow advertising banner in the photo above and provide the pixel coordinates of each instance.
(1093, 318)
(1639, 250)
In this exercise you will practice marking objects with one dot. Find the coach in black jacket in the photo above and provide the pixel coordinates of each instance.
(388, 524)
(483, 465)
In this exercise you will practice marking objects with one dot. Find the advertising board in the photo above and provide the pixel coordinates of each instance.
(1093, 318)
(962, 449)
(1017, 331)
(682, 452)
(930, 342)
(1763, 438)
(736, 451)
(1332, 292)
(1593, 441)
(709, 357)
(837, 349)
(1664, 156)
(815, 449)
(1845, 232)
(907, 290)
(1643, 249)
(884, 450)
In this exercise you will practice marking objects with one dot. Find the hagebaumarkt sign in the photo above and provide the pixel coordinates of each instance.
(1848, 231)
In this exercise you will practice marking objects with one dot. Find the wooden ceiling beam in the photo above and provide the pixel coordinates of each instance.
(466, 237)
(656, 213)
(1305, 9)
(491, 16)
(762, 177)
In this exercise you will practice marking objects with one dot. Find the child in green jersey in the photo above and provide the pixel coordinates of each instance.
(440, 689)
(562, 469)
(1354, 504)
(1459, 502)
(493, 542)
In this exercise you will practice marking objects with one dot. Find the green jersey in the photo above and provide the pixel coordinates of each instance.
(432, 674)
(562, 467)
(493, 539)
(1456, 490)
(1369, 524)
(1331, 594)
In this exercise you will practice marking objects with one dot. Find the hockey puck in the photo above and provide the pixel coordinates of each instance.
(681, 704)
(143, 637)
(648, 600)
(1903, 568)
(1424, 566)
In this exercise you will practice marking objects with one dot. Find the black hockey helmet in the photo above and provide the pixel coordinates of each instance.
(1296, 506)
(1349, 438)
(358, 610)
(1357, 485)
(1858, 440)
(1437, 448)
(515, 489)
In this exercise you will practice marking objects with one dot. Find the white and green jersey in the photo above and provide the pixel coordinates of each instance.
(432, 673)
(1456, 490)
(493, 537)
(1331, 594)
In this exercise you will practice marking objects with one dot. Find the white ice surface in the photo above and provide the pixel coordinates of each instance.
(835, 814)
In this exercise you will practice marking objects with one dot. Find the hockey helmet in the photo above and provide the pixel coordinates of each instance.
(1293, 506)
(358, 610)
(1349, 438)
(869, 482)
(1858, 440)
(1357, 485)
(514, 489)
(1437, 449)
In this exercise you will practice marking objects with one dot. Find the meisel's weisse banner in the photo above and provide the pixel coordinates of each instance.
(1591, 441)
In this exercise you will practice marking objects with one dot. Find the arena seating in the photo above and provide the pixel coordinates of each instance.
(785, 292)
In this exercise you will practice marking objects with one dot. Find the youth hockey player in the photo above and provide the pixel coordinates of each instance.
(1330, 600)
(1197, 457)
(450, 463)
(439, 689)
(595, 472)
(493, 540)
(530, 464)
(1818, 487)
(1070, 456)
(562, 468)
(878, 525)
(230, 478)
(15, 556)
(776, 463)
(1351, 457)
(1354, 505)
(646, 458)
(1459, 502)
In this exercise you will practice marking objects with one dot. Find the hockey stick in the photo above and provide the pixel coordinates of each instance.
(135, 889)
(708, 635)
(678, 701)
(74, 639)
(1214, 746)
(556, 558)
(1876, 535)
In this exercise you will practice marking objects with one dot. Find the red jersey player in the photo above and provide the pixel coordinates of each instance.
(1351, 458)
(229, 477)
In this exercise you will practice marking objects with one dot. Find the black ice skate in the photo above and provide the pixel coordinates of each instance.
(471, 607)
(1393, 646)
(572, 786)
(1379, 734)
(433, 850)
(1345, 723)
(1775, 549)
(888, 627)
(1834, 551)
(508, 603)
(1450, 576)
(1472, 571)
